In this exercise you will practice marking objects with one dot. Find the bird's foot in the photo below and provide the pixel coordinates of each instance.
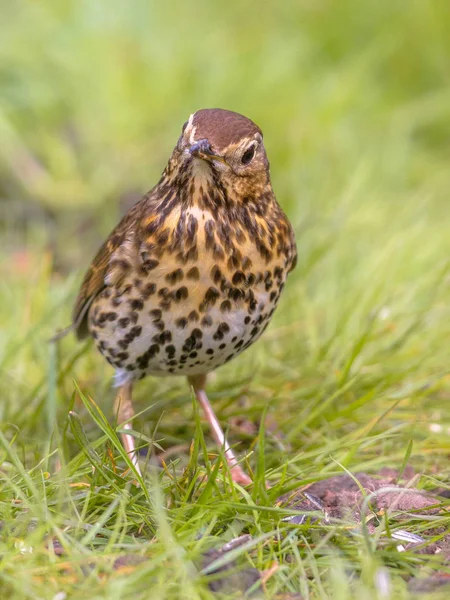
(239, 476)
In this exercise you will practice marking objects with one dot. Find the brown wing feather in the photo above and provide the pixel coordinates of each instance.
(106, 264)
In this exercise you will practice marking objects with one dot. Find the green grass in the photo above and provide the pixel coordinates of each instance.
(354, 101)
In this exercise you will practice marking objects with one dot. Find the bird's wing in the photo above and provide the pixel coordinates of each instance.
(107, 268)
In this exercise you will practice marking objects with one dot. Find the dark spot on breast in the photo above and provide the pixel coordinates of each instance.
(175, 276)
(143, 360)
(221, 331)
(149, 265)
(216, 274)
(246, 263)
(240, 236)
(124, 322)
(148, 290)
(192, 254)
(192, 227)
(273, 295)
(181, 323)
(163, 337)
(235, 260)
(224, 286)
(250, 279)
(247, 320)
(171, 350)
(135, 331)
(218, 253)
(252, 306)
(236, 294)
(159, 325)
(197, 333)
(238, 278)
(264, 251)
(210, 299)
(136, 304)
(211, 295)
(278, 273)
(165, 304)
(193, 316)
(189, 344)
(222, 346)
(101, 319)
(193, 274)
(156, 314)
(209, 234)
(181, 294)
(225, 306)
(207, 321)
(210, 351)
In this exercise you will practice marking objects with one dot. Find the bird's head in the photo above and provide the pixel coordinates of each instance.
(223, 148)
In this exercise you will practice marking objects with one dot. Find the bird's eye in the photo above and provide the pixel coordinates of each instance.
(248, 155)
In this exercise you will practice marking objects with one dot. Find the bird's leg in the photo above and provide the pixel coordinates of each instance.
(198, 383)
(123, 408)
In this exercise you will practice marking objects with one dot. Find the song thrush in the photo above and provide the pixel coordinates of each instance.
(191, 276)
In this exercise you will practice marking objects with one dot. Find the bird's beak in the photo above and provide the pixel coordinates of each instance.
(202, 149)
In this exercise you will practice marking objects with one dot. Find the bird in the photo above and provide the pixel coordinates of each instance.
(192, 274)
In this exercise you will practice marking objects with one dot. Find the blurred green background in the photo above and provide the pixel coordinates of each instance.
(354, 101)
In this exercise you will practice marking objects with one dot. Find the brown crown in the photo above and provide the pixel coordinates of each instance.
(223, 127)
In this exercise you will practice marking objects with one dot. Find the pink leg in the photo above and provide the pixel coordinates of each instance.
(124, 410)
(238, 475)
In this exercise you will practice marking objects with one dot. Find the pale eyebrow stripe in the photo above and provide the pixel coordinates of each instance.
(193, 129)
